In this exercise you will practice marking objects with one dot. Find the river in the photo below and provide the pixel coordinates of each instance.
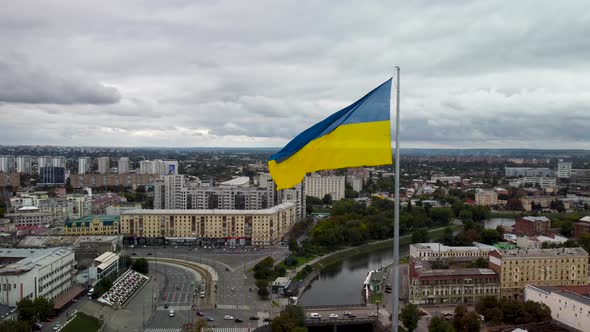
(341, 283)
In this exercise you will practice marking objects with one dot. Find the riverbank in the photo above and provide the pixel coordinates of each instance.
(326, 262)
(332, 258)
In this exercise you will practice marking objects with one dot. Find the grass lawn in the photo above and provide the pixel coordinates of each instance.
(376, 297)
(82, 322)
(275, 304)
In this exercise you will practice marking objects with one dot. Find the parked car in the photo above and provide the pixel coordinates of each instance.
(237, 320)
(372, 314)
(228, 317)
(267, 320)
(254, 318)
(315, 315)
(200, 313)
(57, 326)
(333, 316)
(209, 319)
(346, 313)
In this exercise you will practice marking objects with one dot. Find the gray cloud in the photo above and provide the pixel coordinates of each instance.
(207, 73)
(23, 82)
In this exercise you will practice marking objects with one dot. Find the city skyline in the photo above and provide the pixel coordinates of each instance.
(183, 74)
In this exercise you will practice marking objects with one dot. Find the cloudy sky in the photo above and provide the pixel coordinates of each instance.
(500, 74)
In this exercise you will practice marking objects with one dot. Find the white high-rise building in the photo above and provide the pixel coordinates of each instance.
(564, 169)
(7, 164)
(84, 165)
(123, 165)
(104, 163)
(58, 161)
(320, 186)
(162, 167)
(44, 161)
(23, 164)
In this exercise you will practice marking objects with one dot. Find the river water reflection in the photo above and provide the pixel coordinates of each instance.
(341, 283)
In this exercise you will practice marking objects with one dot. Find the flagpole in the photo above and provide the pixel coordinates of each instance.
(396, 293)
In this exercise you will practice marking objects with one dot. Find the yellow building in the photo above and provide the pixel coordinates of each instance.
(93, 225)
(255, 227)
(539, 267)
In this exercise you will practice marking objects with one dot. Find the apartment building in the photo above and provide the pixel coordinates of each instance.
(123, 165)
(320, 186)
(564, 169)
(23, 164)
(486, 197)
(570, 305)
(7, 164)
(540, 267)
(514, 172)
(450, 286)
(84, 165)
(256, 227)
(102, 180)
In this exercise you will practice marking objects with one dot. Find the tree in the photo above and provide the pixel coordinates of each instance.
(410, 316)
(43, 308)
(26, 310)
(327, 199)
(293, 244)
(465, 215)
(447, 238)
(460, 312)
(480, 263)
(567, 229)
(140, 265)
(438, 324)
(263, 292)
(514, 204)
(586, 207)
(200, 325)
(420, 236)
(292, 318)
(471, 322)
(14, 326)
(490, 236)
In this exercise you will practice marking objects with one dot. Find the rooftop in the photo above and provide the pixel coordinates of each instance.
(17, 261)
(542, 253)
(566, 293)
(585, 219)
(423, 269)
(106, 220)
(268, 211)
(536, 219)
(438, 247)
(239, 181)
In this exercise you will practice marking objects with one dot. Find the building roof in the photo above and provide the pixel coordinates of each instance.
(105, 260)
(238, 182)
(542, 253)
(281, 281)
(423, 269)
(106, 220)
(536, 219)
(585, 219)
(268, 211)
(24, 260)
(566, 293)
(438, 247)
(125, 204)
(28, 208)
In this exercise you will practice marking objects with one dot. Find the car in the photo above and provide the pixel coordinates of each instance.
(227, 268)
(315, 315)
(199, 313)
(49, 320)
(267, 320)
(133, 254)
(171, 314)
(333, 316)
(149, 253)
(372, 314)
(56, 327)
(166, 306)
(209, 319)
(233, 289)
(177, 287)
(228, 317)
(144, 246)
(254, 318)
(164, 297)
(202, 295)
(351, 316)
(346, 313)
(237, 320)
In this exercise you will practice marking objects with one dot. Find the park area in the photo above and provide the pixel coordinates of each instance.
(82, 322)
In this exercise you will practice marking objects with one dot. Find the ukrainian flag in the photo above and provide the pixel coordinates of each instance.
(358, 135)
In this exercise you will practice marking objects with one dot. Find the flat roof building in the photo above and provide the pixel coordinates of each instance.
(436, 251)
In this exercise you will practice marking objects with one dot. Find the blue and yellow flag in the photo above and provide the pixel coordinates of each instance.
(358, 135)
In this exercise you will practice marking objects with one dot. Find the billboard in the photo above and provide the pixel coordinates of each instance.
(171, 169)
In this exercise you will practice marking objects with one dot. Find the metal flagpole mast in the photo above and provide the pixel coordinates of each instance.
(396, 293)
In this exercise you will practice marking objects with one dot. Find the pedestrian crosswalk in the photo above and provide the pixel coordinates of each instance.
(233, 306)
(174, 307)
